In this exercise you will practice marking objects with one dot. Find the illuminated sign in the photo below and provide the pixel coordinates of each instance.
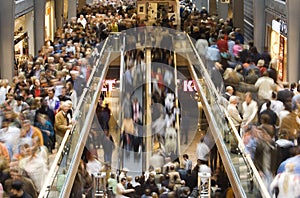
(188, 85)
(108, 85)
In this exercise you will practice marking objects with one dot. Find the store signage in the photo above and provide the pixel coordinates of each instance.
(279, 27)
(283, 28)
(225, 1)
(276, 26)
(188, 86)
(108, 85)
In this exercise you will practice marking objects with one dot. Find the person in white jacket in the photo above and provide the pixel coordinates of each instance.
(265, 86)
(121, 191)
(250, 109)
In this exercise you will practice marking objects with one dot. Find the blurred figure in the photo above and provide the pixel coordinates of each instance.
(17, 190)
(112, 184)
(286, 184)
(188, 163)
(35, 167)
(47, 130)
(108, 146)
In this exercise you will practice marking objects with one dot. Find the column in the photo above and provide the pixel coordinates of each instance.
(238, 14)
(201, 3)
(293, 46)
(81, 4)
(223, 10)
(71, 9)
(7, 18)
(212, 8)
(59, 7)
(148, 137)
(90, 2)
(29, 27)
(39, 24)
(259, 21)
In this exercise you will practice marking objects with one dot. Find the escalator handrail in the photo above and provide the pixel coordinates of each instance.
(59, 155)
(121, 114)
(229, 167)
(263, 190)
(70, 176)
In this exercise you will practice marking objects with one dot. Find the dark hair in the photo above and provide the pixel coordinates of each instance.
(265, 119)
(186, 156)
(19, 98)
(17, 185)
(268, 104)
(123, 179)
(274, 95)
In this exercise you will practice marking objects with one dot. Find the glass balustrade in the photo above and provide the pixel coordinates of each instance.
(243, 175)
(64, 167)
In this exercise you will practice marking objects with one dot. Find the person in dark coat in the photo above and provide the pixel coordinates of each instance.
(108, 146)
(285, 95)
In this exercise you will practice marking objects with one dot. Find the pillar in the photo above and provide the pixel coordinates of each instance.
(223, 10)
(91, 2)
(212, 7)
(259, 21)
(39, 24)
(71, 9)
(202, 3)
(59, 7)
(81, 4)
(293, 46)
(148, 137)
(7, 18)
(238, 14)
(29, 27)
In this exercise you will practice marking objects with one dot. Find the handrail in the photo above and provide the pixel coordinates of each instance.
(70, 177)
(60, 154)
(97, 63)
(122, 66)
(233, 177)
(237, 187)
(176, 104)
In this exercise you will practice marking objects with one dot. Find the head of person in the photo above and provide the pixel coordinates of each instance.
(64, 107)
(229, 89)
(248, 97)
(185, 157)
(19, 99)
(16, 187)
(51, 92)
(123, 181)
(26, 125)
(233, 100)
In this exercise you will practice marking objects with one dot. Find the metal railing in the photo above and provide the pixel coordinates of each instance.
(60, 179)
(62, 173)
(215, 113)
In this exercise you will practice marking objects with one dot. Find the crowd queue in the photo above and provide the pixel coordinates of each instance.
(37, 108)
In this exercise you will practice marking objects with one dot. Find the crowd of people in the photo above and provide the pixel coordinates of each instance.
(37, 108)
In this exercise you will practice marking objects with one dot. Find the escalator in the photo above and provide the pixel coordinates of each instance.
(187, 66)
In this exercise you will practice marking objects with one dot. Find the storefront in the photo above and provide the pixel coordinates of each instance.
(151, 11)
(23, 38)
(278, 46)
